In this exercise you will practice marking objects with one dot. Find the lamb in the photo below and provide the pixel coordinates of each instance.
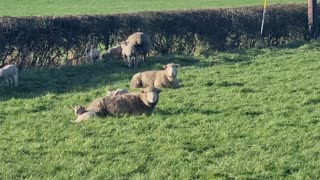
(9, 75)
(114, 51)
(141, 42)
(93, 55)
(129, 54)
(82, 114)
(117, 92)
(166, 78)
(129, 103)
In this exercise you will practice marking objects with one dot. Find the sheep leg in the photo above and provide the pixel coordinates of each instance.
(9, 81)
(15, 80)
(129, 62)
(135, 62)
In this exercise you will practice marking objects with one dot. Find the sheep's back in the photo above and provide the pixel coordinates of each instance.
(149, 77)
(8, 70)
(98, 106)
(127, 104)
(141, 41)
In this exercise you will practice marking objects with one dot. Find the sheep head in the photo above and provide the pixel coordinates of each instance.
(171, 69)
(150, 95)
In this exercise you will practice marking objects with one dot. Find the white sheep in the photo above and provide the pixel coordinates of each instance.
(129, 103)
(117, 92)
(129, 54)
(82, 114)
(141, 42)
(9, 75)
(114, 51)
(166, 78)
(93, 55)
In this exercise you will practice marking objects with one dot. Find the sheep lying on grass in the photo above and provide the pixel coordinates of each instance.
(113, 52)
(166, 78)
(82, 114)
(129, 103)
(117, 92)
(141, 42)
(129, 54)
(9, 75)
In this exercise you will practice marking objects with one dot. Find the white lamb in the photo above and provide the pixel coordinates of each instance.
(113, 52)
(82, 114)
(9, 75)
(117, 92)
(129, 54)
(93, 55)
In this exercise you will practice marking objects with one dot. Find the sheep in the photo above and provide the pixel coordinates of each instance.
(129, 54)
(166, 78)
(141, 42)
(114, 51)
(9, 75)
(93, 55)
(129, 103)
(117, 92)
(82, 114)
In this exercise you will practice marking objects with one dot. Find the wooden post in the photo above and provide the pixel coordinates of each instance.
(312, 18)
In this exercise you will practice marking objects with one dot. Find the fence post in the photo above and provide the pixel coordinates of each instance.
(312, 18)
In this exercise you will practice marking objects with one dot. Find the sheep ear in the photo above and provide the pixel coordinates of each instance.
(164, 66)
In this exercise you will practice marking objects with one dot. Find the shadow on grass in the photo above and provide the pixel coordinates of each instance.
(191, 110)
(229, 84)
(83, 77)
(234, 56)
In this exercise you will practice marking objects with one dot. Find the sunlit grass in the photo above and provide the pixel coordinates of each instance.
(240, 114)
(80, 7)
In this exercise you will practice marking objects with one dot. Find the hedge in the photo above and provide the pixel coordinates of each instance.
(35, 42)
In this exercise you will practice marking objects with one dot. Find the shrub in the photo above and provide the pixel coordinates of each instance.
(35, 42)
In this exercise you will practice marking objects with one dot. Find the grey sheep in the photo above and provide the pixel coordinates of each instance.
(166, 78)
(141, 42)
(129, 103)
(9, 75)
(114, 51)
(129, 54)
(82, 114)
(93, 55)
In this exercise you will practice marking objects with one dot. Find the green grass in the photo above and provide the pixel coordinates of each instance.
(76, 7)
(245, 114)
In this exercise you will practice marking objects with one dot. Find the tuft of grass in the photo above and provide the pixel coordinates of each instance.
(254, 114)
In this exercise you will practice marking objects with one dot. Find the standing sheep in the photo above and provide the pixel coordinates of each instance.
(129, 103)
(129, 54)
(114, 51)
(141, 42)
(9, 75)
(93, 55)
(166, 78)
(82, 114)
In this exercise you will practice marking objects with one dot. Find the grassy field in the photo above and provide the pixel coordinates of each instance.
(76, 7)
(245, 114)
